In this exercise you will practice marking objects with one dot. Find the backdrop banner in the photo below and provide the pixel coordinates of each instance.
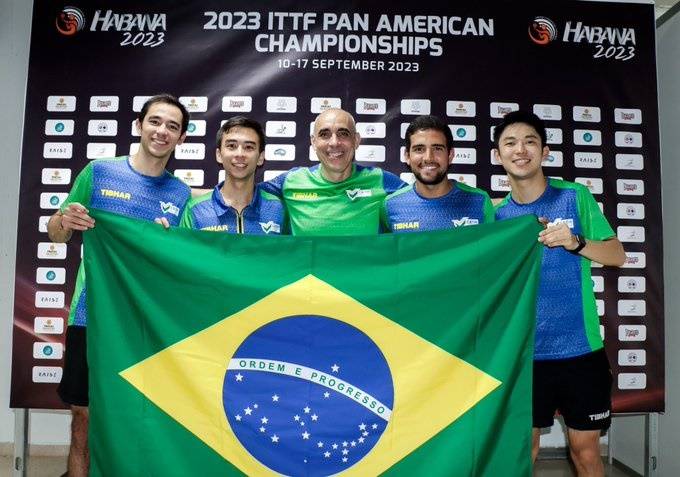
(586, 68)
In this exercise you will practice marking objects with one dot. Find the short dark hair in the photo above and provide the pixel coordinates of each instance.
(167, 99)
(422, 123)
(240, 122)
(520, 116)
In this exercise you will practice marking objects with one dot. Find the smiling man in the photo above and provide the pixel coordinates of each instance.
(434, 201)
(237, 205)
(338, 196)
(571, 371)
(137, 186)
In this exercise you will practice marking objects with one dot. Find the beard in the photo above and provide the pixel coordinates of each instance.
(438, 179)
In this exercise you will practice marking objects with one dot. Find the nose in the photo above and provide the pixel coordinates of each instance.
(520, 146)
(429, 154)
(333, 139)
(162, 129)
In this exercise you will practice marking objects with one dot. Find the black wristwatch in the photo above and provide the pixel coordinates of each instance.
(581, 243)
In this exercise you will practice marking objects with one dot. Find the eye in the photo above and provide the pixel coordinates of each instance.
(418, 149)
(324, 134)
(343, 134)
(173, 127)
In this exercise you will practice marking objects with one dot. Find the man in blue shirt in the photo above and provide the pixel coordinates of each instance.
(434, 201)
(236, 205)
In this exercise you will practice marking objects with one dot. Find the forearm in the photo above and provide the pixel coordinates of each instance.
(607, 252)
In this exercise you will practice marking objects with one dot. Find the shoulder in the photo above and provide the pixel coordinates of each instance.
(198, 200)
(500, 203)
(472, 190)
(400, 193)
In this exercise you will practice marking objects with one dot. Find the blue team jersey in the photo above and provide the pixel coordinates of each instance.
(407, 211)
(567, 323)
(264, 215)
(114, 186)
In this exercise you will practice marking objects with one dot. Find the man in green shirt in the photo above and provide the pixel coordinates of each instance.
(338, 196)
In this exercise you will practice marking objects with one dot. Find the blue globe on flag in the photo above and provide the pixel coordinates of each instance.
(315, 405)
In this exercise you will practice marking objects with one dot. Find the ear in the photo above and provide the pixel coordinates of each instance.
(497, 155)
(546, 151)
(260, 159)
(407, 158)
(218, 156)
(138, 126)
(357, 138)
(452, 154)
(181, 138)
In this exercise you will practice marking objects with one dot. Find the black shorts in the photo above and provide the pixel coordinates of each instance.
(579, 388)
(73, 388)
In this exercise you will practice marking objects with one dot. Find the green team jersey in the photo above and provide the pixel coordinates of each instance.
(317, 206)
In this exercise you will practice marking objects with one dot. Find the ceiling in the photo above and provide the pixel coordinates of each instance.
(662, 6)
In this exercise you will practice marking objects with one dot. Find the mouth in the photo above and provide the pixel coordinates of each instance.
(521, 162)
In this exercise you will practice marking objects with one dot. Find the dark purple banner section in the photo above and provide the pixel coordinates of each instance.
(587, 68)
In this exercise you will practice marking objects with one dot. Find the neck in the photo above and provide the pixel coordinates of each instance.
(332, 176)
(432, 191)
(148, 165)
(525, 191)
(238, 193)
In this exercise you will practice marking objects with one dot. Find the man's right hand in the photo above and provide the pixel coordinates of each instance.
(62, 224)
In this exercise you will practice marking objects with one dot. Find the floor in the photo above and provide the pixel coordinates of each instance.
(55, 466)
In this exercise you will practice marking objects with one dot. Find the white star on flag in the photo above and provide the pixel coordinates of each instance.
(296, 417)
(319, 444)
(335, 446)
(361, 440)
(239, 377)
(374, 426)
(275, 438)
(305, 435)
(335, 368)
(275, 398)
(264, 420)
(362, 427)
(238, 417)
(307, 409)
(345, 451)
(354, 444)
(248, 411)
(314, 417)
(344, 459)
(326, 395)
(262, 429)
(326, 454)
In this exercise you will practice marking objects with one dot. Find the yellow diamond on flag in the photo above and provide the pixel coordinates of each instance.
(431, 388)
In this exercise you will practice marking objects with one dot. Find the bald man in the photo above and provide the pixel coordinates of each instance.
(338, 196)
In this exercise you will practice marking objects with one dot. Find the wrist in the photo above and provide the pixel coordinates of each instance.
(579, 243)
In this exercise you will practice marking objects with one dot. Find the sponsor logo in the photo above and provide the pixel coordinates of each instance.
(102, 128)
(58, 150)
(627, 116)
(463, 132)
(465, 155)
(598, 284)
(70, 21)
(627, 139)
(588, 160)
(632, 332)
(53, 276)
(370, 153)
(599, 416)
(50, 250)
(632, 357)
(635, 260)
(279, 152)
(358, 193)
(465, 109)
(464, 221)
(270, 226)
(305, 195)
(191, 177)
(415, 106)
(587, 137)
(281, 104)
(138, 102)
(548, 111)
(48, 325)
(588, 114)
(61, 103)
(553, 159)
(42, 223)
(48, 350)
(190, 151)
(50, 200)
(45, 299)
(56, 176)
(632, 284)
(195, 104)
(594, 184)
(46, 374)
(62, 127)
(498, 110)
(237, 104)
(104, 103)
(630, 187)
(319, 105)
(627, 233)
(280, 128)
(169, 208)
(115, 194)
(553, 135)
(542, 30)
(500, 183)
(632, 307)
(406, 226)
(372, 130)
(632, 381)
(109, 20)
(370, 106)
(557, 221)
(98, 150)
(632, 162)
(216, 228)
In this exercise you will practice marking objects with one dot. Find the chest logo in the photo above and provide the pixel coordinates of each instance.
(270, 227)
(464, 221)
(557, 221)
(357, 193)
(169, 208)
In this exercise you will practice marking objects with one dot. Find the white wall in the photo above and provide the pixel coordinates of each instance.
(47, 428)
(668, 41)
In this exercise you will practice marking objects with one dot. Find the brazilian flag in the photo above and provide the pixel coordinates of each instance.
(215, 355)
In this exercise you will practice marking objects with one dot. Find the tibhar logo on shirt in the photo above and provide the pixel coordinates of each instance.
(169, 208)
(216, 228)
(270, 227)
(557, 221)
(464, 221)
(305, 195)
(406, 226)
(357, 193)
(115, 194)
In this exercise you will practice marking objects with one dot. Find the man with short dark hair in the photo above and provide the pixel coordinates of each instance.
(236, 205)
(434, 201)
(571, 371)
(135, 186)
(337, 197)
